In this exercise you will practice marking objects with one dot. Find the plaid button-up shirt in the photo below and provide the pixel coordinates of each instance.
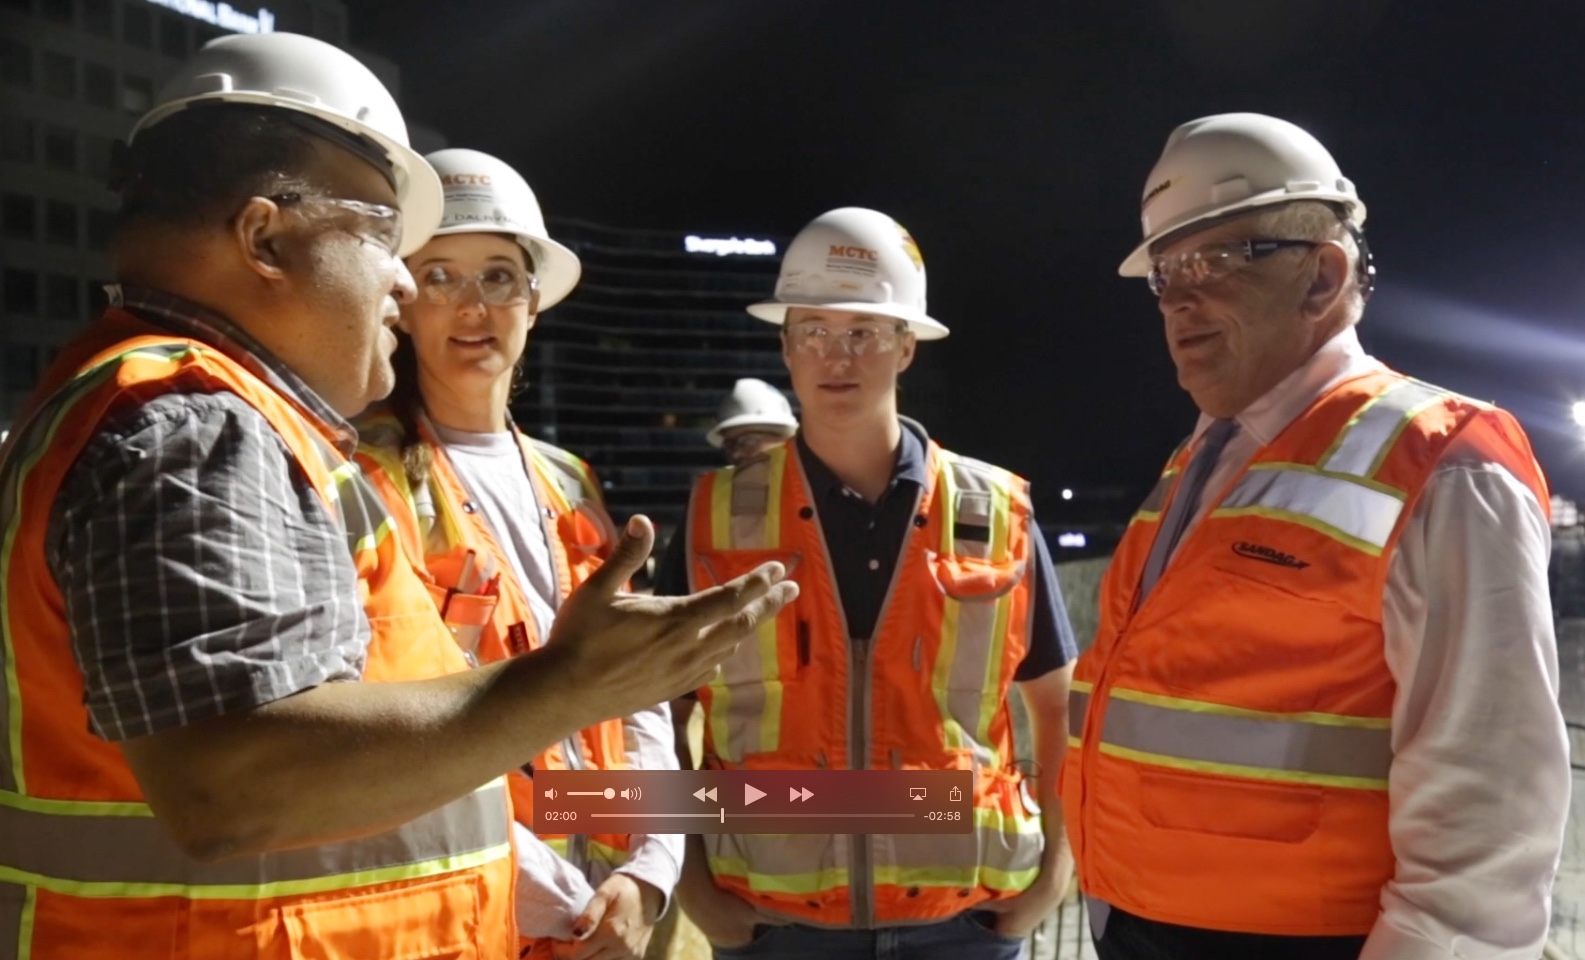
(201, 572)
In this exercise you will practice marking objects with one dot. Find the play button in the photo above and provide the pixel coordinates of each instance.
(750, 794)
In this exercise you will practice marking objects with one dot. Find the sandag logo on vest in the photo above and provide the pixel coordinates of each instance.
(1256, 551)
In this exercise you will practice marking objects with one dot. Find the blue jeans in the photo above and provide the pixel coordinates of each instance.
(968, 936)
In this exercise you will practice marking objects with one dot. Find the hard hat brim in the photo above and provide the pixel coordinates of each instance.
(1137, 263)
(715, 437)
(556, 266)
(922, 326)
(419, 194)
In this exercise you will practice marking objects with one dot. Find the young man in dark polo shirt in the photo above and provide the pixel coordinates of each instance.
(927, 592)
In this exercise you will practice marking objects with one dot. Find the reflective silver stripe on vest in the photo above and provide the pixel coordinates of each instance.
(751, 506)
(1373, 429)
(1334, 750)
(747, 674)
(793, 857)
(1078, 705)
(1332, 505)
(138, 850)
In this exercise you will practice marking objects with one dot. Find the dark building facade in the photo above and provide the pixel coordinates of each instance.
(629, 370)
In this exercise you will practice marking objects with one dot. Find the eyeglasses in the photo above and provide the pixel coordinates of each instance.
(1214, 261)
(857, 340)
(746, 443)
(497, 286)
(376, 223)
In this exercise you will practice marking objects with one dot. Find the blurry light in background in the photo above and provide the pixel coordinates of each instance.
(1068, 494)
(1578, 411)
(1074, 541)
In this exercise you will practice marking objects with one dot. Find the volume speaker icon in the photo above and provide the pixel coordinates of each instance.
(550, 794)
(632, 793)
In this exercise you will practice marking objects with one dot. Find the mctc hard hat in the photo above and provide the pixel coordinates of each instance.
(854, 260)
(484, 195)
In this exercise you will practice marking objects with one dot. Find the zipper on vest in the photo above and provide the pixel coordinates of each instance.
(861, 883)
(803, 646)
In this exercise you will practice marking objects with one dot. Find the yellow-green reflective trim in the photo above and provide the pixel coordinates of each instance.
(949, 493)
(390, 464)
(834, 878)
(955, 737)
(778, 463)
(721, 509)
(71, 395)
(802, 883)
(1236, 770)
(1074, 741)
(30, 899)
(372, 541)
(1366, 482)
(262, 891)
(1408, 418)
(1337, 442)
(953, 733)
(1082, 686)
(1202, 706)
(1319, 526)
(1014, 825)
(1001, 516)
(74, 808)
(1145, 516)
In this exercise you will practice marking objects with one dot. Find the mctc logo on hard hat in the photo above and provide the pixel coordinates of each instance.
(853, 253)
(465, 179)
(1157, 191)
(911, 248)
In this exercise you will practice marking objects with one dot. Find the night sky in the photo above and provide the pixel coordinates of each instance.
(1012, 138)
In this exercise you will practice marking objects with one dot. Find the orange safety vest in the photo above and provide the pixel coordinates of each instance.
(85, 869)
(927, 692)
(1230, 739)
(439, 522)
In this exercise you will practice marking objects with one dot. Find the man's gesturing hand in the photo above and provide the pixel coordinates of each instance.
(633, 652)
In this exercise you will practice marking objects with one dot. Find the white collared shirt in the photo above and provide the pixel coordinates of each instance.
(1479, 785)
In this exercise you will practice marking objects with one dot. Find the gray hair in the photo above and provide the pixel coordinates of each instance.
(1317, 221)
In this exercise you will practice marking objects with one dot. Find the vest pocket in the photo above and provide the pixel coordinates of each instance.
(435, 920)
(1277, 812)
(969, 579)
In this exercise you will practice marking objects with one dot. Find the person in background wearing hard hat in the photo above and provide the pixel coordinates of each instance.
(1320, 717)
(195, 579)
(753, 418)
(928, 594)
(508, 526)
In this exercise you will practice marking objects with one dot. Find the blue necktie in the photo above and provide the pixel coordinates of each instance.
(1184, 500)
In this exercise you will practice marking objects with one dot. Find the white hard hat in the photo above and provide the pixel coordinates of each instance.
(1217, 166)
(485, 195)
(855, 260)
(753, 403)
(293, 72)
